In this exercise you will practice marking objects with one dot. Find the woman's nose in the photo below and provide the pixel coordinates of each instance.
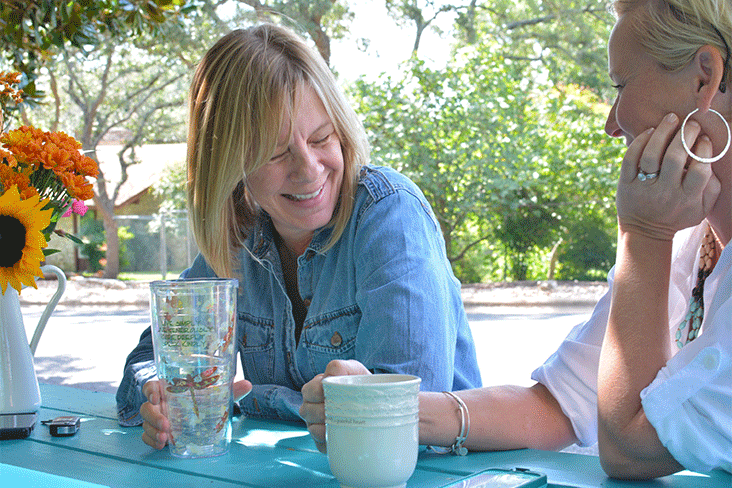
(611, 124)
(305, 166)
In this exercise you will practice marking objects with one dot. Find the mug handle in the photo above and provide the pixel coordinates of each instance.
(51, 305)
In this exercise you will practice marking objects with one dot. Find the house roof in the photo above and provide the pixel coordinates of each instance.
(154, 161)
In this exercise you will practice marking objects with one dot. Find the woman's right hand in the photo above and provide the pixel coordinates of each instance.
(682, 194)
(155, 425)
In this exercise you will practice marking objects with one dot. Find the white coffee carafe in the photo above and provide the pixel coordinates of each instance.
(19, 392)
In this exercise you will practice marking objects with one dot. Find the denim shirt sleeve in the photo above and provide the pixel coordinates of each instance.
(272, 402)
(139, 368)
(413, 320)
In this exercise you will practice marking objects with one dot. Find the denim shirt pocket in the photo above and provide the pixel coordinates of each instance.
(256, 346)
(330, 336)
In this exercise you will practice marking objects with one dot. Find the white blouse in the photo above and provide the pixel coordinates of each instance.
(689, 403)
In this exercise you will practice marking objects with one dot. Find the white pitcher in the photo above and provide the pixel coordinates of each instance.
(19, 392)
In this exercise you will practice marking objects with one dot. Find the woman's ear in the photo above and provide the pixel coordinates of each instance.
(709, 69)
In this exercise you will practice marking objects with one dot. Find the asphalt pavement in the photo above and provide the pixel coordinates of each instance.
(516, 326)
(86, 347)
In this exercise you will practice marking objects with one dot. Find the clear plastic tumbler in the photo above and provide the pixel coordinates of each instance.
(194, 338)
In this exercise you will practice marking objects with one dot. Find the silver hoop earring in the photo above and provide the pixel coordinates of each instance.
(691, 154)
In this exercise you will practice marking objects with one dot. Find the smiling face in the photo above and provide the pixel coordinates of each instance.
(299, 187)
(646, 92)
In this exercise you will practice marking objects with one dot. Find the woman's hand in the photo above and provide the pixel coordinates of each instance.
(682, 194)
(155, 425)
(313, 405)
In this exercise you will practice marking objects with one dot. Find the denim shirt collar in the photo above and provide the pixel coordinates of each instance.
(261, 241)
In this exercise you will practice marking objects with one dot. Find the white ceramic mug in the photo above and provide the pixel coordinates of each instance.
(372, 429)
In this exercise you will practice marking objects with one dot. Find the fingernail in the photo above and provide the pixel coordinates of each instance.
(694, 124)
(672, 118)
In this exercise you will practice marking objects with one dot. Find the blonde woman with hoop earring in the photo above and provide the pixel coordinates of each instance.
(648, 378)
(665, 369)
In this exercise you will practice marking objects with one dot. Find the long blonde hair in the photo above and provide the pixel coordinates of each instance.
(673, 30)
(238, 98)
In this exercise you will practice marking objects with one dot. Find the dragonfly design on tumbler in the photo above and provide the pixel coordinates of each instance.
(192, 383)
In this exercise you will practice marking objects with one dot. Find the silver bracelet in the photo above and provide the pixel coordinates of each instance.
(457, 446)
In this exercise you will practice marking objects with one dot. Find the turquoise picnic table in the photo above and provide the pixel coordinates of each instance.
(262, 454)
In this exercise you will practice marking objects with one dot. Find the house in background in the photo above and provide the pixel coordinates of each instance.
(135, 196)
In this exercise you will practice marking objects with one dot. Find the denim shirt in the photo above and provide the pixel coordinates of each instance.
(384, 295)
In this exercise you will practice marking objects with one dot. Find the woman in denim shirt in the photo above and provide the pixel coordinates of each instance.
(335, 259)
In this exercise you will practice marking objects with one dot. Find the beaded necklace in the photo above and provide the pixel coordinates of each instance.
(696, 306)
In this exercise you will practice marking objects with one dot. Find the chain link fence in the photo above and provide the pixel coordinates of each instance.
(161, 243)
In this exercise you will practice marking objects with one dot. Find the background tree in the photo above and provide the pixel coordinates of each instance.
(122, 86)
(32, 32)
(505, 139)
(500, 154)
(567, 37)
(419, 15)
(321, 20)
(555, 54)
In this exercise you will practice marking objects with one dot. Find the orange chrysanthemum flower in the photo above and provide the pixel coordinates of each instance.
(10, 177)
(42, 175)
(7, 92)
(56, 152)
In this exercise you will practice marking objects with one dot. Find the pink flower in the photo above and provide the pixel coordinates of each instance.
(77, 206)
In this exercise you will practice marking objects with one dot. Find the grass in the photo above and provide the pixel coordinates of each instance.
(148, 275)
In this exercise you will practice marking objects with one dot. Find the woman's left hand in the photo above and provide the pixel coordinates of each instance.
(680, 196)
(313, 406)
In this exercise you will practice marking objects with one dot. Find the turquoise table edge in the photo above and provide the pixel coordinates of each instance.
(262, 454)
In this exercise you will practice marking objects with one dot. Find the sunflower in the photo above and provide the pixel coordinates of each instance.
(21, 238)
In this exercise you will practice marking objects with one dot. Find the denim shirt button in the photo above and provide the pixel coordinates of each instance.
(336, 340)
(306, 302)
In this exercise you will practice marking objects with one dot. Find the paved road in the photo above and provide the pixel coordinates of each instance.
(87, 348)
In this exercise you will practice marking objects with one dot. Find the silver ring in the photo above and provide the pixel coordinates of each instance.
(643, 176)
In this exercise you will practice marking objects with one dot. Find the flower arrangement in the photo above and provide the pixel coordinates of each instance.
(43, 176)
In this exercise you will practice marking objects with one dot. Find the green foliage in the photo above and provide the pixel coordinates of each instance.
(92, 236)
(31, 33)
(171, 191)
(93, 245)
(124, 235)
(321, 20)
(171, 188)
(589, 252)
(499, 154)
(568, 38)
(506, 140)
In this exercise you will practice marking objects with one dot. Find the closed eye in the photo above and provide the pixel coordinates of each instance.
(278, 157)
(323, 140)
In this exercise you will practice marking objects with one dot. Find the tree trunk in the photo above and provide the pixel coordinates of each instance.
(106, 208)
(553, 259)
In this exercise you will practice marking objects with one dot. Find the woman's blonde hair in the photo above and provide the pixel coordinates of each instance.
(673, 30)
(238, 99)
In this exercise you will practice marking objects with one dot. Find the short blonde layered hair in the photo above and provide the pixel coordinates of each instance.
(673, 30)
(238, 100)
